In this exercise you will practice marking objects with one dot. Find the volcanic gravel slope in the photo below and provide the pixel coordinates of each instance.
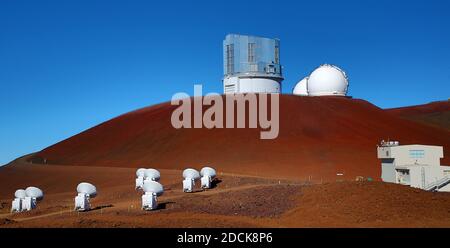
(319, 137)
(236, 201)
(436, 114)
(369, 204)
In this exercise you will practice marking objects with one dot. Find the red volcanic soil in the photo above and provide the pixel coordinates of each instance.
(262, 183)
(368, 204)
(318, 138)
(236, 201)
(436, 114)
(433, 107)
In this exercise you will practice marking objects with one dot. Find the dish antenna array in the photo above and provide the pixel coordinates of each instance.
(86, 191)
(152, 189)
(208, 174)
(190, 175)
(26, 200)
(146, 179)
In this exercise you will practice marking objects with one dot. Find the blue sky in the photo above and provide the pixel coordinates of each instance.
(69, 65)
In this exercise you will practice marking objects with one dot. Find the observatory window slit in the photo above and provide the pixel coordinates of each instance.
(277, 54)
(230, 58)
(251, 52)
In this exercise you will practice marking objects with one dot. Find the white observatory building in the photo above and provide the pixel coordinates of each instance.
(415, 165)
(251, 64)
(326, 80)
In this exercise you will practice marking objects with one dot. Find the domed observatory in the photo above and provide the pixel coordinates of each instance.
(251, 64)
(327, 80)
(300, 88)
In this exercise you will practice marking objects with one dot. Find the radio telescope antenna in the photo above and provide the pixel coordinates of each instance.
(33, 195)
(152, 174)
(86, 191)
(140, 174)
(151, 189)
(208, 174)
(190, 175)
(19, 197)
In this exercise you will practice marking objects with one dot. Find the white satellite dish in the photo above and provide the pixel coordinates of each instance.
(208, 171)
(85, 192)
(300, 88)
(140, 172)
(140, 175)
(87, 188)
(152, 174)
(152, 189)
(190, 175)
(33, 195)
(20, 193)
(34, 192)
(16, 205)
(327, 80)
(208, 174)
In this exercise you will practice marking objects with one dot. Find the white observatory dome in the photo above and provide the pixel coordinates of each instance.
(300, 88)
(327, 80)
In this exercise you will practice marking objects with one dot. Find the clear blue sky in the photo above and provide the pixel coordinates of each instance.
(68, 65)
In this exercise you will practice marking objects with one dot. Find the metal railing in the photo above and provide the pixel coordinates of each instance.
(438, 184)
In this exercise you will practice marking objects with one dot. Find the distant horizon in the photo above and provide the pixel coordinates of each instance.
(68, 66)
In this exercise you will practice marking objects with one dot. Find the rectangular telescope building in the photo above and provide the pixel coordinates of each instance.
(415, 165)
(251, 64)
